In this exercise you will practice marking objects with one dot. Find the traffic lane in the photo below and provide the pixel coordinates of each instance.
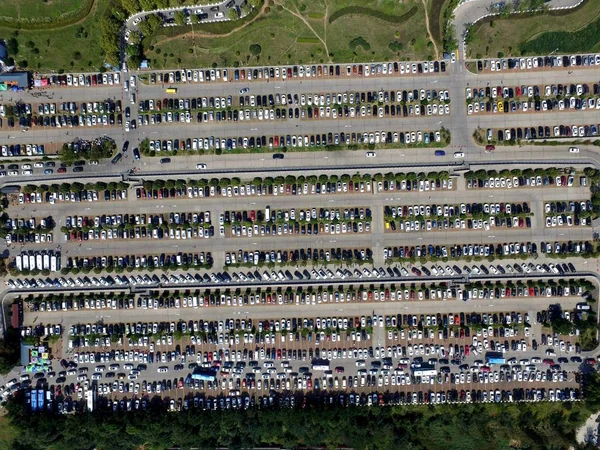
(118, 247)
(278, 311)
(309, 85)
(535, 196)
(521, 120)
(562, 75)
(317, 162)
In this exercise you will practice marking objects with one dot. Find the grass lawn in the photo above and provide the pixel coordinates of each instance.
(74, 47)
(8, 433)
(521, 32)
(297, 31)
(436, 18)
(37, 8)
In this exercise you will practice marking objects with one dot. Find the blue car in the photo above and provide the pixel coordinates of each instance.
(440, 153)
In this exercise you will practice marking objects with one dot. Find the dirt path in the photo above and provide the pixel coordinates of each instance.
(195, 35)
(301, 17)
(437, 54)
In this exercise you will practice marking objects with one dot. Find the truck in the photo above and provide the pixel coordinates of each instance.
(53, 263)
(38, 262)
(33, 400)
(19, 262)
(320, 364)
(46, 261)
(267, 213)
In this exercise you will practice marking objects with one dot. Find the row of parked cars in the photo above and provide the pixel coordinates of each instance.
(522, 181)
(291, 99)
(140, 261)
(309, 112)
(575, 130)
(568, 103)
(84, 80)
(532, 91)
(22, 149)
(173, 218)
(462, 209)
(296, 72)
(570, 247)
(324, 139)
(540, 62)
(323, 256)
(68, 405)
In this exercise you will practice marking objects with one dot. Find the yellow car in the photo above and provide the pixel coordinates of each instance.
(501, 106)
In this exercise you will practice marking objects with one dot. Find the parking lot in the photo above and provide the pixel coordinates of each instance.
(375, 257)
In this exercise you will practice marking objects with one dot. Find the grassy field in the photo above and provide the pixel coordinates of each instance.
(37, 8)
(522, 33)
(74, 47)
(301, 32)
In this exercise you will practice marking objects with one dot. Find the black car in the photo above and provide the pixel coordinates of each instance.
(77, 169)
(278, 156)
(136, 153)
(165, 160)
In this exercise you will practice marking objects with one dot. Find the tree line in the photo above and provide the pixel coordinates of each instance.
(544, 426)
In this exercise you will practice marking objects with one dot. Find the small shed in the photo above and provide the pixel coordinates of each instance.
(25, 353)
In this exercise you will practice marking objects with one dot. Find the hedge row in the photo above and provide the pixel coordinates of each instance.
(373, 13)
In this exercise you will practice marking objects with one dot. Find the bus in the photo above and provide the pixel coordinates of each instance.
(171, 90)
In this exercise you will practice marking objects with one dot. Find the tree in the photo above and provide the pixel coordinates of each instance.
(150, 25)
(134, 55)
(132, 6)
(561, 325)
(12, 45)
(232, 14)
(255, 49)
(147, 5)
(180, 18)
(110, 29)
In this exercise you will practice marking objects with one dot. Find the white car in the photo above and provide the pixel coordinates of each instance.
(371, 154)
(201, 166)
(573, 149)
(458, 155)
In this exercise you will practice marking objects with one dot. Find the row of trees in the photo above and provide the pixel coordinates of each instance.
(546, 426)
(291, 179)
(483, 174)
(64, 188)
